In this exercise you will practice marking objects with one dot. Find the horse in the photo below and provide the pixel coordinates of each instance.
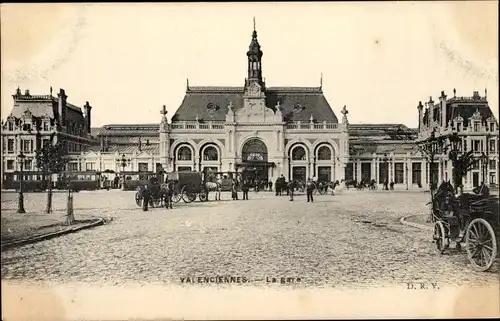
(350, 182)
(331, 187)
(214, 187)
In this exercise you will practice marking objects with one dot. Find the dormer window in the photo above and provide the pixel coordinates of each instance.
(27, 127)
(11, 125)
(476, 126)
(459, 127)
(492, 127)
(46, 126)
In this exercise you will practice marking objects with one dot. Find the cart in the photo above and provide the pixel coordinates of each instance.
(468, 219)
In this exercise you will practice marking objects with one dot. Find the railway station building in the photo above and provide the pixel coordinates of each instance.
(270, 131)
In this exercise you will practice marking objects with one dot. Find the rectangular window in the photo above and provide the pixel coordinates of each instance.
(492, 127)
(399, 173)
(11, 126)
(10, 146)
(27, 127)
(459, 127)
(89, 166)
(492, 145)
(73, 167)
(46, 142)
(477, 145)
(416, 173)
(26, 146)
(493, 178)
(10, 164)
(28, 163)
(349, 172)
(46, 126)
(143, 167)
(383, 172)
(465, 145)
(184, 168)
(492, 164)
(476, 126)
(476, 164)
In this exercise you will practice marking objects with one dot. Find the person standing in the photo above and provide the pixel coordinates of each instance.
(309, 190)
(146, 196)
(245, 188)
(270, 185)
(234, 189)
(291, 186)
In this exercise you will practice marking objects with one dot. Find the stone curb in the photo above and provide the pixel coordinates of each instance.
(43, 237)
(404, 221)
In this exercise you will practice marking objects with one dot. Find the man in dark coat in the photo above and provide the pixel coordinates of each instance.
(309, 190)
(245, 188)
(277, 186)
(146, 197)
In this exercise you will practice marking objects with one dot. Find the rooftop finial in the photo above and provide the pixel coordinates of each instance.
(321, 81)
(254, 24)
(485, 93)
(187, 83)
(51, 90)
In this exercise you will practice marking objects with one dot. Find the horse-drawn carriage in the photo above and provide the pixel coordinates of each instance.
(187, 186)
(470, 219)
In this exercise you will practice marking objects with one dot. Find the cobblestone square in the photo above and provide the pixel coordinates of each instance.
(354, 239)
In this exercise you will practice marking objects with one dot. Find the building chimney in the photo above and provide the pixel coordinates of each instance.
(475, 94)
(61, 106)
(27, 92)
(88, 114)
(18, 91)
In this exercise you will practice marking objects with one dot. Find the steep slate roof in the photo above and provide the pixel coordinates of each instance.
(381, 132)
(297, 103)
(39, 106)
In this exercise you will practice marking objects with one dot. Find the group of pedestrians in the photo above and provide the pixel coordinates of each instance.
(282, 186)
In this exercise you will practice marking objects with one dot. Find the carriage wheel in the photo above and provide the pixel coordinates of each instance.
(203, 195)
(481, 244)
(322, 189)
(187, 195)
(138, 199)
(176, 196)
(440, 237)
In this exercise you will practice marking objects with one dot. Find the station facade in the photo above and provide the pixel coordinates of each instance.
(270, 131)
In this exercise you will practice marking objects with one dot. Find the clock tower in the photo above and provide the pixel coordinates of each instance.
(254, 82)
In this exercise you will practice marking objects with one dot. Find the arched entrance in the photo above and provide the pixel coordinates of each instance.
(255, 165)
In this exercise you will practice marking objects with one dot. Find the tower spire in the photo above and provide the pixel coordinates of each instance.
(254, 55)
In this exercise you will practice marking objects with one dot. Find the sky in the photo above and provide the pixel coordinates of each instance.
(128, 60)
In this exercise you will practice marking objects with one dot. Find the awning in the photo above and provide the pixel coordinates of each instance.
(251, 164)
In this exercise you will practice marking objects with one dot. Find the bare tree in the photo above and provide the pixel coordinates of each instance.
(461, 165)
(50, 159)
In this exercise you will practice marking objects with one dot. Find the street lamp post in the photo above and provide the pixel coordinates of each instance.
(123, 162)
(20, 207)
(484, 160)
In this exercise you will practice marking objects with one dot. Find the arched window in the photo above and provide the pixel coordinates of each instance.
(210, 154)
(184, 154)
(254, 150)
(324, 153)
(299, 153)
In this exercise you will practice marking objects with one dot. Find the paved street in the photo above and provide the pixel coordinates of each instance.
(353, 239)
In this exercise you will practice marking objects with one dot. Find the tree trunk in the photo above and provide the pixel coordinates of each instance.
(49, 195)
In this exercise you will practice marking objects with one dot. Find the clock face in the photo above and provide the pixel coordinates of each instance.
(254, 89)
